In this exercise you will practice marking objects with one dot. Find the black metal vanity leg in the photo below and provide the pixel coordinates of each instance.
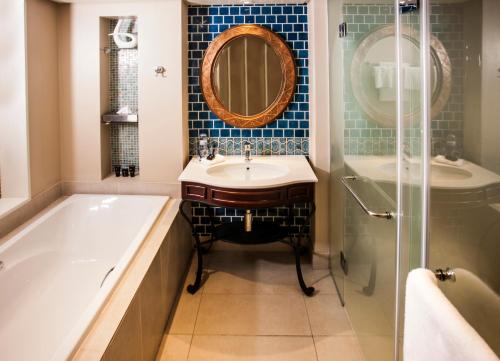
(194, 287)
(199, 271)
(308, 291)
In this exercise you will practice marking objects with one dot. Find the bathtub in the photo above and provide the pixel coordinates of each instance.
(57, 273)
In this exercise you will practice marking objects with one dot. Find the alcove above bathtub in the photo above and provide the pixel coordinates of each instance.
(119, 63)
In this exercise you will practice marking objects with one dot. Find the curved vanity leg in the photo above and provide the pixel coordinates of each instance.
(299, 250)
(199, 271)
(199, 251)
(308, 291)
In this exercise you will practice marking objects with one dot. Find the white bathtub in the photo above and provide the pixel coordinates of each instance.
(51, 282)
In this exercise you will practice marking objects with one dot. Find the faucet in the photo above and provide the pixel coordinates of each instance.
(247, 149)
(406, 151)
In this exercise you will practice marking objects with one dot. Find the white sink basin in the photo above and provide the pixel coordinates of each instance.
(438, 171)
(251, 171)
(260, 172)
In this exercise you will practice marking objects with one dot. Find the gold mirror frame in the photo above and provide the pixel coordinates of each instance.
(278, 106)
(438, 55)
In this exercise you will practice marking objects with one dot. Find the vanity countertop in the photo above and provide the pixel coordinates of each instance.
(260, 172)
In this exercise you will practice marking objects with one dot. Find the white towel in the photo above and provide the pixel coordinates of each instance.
(442, 159)
(219, 158)
(434, 329)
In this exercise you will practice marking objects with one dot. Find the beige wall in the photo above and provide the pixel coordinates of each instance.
(162, 129)
(14, 160)
(43, 92)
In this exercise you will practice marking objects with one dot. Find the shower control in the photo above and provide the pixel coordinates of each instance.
(407, 6)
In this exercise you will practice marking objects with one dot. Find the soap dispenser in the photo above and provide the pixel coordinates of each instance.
(203, 150)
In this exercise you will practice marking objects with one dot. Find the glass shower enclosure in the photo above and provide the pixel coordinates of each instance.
(415, 99)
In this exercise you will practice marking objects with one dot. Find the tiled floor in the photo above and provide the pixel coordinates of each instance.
(251, 308)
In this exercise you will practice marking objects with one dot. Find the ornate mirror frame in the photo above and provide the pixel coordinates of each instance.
(438, 55)
(276, 108)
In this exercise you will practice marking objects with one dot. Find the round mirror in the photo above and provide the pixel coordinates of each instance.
(374, 81)
(248, 76)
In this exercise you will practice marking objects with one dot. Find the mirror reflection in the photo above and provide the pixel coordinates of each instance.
(247, 76)
(374, 75)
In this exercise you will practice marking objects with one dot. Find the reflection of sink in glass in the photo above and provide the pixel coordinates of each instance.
(438, 171)
(248, 171)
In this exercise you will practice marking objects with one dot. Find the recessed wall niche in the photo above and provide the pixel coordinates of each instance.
(119, 94)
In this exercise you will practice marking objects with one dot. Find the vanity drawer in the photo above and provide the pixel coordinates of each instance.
(248, 198)
(194, 192)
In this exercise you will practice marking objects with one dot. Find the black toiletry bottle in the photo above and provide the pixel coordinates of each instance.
(125, 172)
(118, 170)
(131, 170)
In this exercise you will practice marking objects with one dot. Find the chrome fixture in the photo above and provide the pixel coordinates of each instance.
(451, 148)
(247, 149)
(203, 150)
(2, 265)
(406, 6)
(445, 275)
(160, 70)
(385, 215)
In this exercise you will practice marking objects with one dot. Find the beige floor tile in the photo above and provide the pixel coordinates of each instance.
(234, 272)
(252, 348)
(327, 316)
(186, 311)
(252, 315)
(174, 348)
(377, 348)
(338, 348)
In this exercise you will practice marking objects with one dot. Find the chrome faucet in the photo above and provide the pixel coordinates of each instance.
(247, 149)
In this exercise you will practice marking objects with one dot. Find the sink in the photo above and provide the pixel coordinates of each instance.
(251, 171)
(259, 173)
(438, 171)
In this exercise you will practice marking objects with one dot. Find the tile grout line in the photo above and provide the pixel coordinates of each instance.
(310, 326)
(201, 289)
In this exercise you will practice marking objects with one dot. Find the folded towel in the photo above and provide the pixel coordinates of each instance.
(218, 159)
(434, 329)
(442, 159)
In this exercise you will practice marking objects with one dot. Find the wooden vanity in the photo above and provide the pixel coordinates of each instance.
(294, 187)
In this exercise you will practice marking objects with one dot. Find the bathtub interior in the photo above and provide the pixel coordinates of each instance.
(54, 269)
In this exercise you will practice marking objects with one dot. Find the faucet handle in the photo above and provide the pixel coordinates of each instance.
(246, 145)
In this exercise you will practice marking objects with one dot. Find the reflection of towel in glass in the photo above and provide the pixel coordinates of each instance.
(384, 75)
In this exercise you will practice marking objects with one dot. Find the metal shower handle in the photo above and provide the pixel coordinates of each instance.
(344, 180)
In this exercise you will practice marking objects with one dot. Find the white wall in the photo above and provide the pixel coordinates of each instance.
(319, 147)
(14, 169)
(162, 110)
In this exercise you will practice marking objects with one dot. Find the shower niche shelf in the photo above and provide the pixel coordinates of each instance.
(119, 118)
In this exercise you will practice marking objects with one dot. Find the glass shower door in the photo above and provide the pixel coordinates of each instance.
(377, 173)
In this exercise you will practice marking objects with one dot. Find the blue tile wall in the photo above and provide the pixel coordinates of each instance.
(289, 134)
(291, 130)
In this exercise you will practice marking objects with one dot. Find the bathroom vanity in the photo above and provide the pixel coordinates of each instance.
(262, 182)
